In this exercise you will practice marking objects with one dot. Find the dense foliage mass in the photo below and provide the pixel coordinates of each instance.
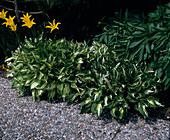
(143, 40)
(94, 75)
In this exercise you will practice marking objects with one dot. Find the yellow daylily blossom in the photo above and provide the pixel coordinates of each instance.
(3, 14)
(29, 23)
(9, 21)
(53, 25)
(13, 27)
(26, 18)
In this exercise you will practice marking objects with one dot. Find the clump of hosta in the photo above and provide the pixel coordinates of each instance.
(45, 68)
(93, 75)
(118, 85)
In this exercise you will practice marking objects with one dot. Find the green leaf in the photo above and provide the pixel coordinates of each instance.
(132, 99)
(43, 86)
(40, 92)
(106, 101)
(121, 113)
(29, 44)
(87, 101)
(113, 112)
(159, 104)
(9, 74)
(153, 102)
(33, 94)
(40, 75)
(93, 108)
(135, 43)
(99, 109)
(105, 39)
(43, 67)
(147, 48)
(27, 83)
(148, 92)
(141, 54)
(52, 86)
(138, 33)
(97, 95)
(52, 94)
(34, 84)
(108, 83)
(66, 90)
(137, 50)
(159, 72)
(10, 58)
(124, 75)
(167, 66)
(101, 38)
(142, 109)
(73, 96)
(31, 67)
(60, 87)
(74, 86)
(80, 60)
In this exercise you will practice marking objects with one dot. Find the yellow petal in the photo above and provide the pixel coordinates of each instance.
(58, 23)
(50, 23)
(47, 26)
(54, 22)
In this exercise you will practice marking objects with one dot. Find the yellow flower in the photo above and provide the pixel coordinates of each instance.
(26, 18)
(29, 23)
(9, 21)
(3, 14)
(13, 27)
(53, 25)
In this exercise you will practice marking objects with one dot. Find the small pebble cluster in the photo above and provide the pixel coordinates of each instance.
(22, 118)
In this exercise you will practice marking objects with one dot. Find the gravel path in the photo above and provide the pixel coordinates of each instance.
(22, 119)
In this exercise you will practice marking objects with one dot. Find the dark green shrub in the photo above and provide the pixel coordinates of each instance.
(8, 41)
(144, 41)
(150, 43)
(92, 75)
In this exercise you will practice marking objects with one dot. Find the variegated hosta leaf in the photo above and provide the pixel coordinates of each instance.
(142, 109)
(113, 112)
(153, 102)
(99, 109)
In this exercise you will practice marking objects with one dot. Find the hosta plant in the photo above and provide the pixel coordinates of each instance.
(45, 68)
(93, 75)
(119, 85)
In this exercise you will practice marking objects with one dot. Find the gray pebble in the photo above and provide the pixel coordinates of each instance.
(21, 118)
